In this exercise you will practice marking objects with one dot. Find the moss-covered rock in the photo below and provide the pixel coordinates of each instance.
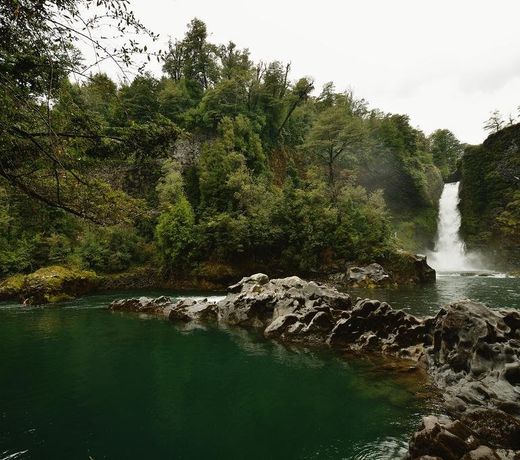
(11, 287)
(56, 283)
(49, 285)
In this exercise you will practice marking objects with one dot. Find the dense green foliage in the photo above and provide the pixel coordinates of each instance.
(446, 151)
(490, 195)
(220, 160)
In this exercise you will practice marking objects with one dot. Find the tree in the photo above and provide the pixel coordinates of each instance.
(235, 63)
(334, 134)
(139, 101)
(175, 230)
(193, 59)
(495, 122)
(175, 234)
(446, 150)
(36, 56)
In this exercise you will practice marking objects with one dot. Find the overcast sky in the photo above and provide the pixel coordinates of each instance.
(446, 63)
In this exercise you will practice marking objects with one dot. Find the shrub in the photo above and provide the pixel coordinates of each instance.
(174, 234)
(112, 249)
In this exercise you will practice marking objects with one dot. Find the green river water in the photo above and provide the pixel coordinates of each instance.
(80, 382)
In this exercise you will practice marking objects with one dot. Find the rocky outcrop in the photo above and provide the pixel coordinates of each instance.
(11, 287)
(471, 352)
(373, 275)
(159, 305)
(408, 268)
(49, 285)
(396, 268)
(476, 354)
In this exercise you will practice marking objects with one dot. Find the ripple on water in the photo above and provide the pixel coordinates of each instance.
(8, 455)
(386, 449)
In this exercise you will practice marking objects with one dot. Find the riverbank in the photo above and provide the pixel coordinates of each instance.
(57, 283)
(471, 352)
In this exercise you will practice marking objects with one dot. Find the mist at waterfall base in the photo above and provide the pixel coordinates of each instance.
(450, 253)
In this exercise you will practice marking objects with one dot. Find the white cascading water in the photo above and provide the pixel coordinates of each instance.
(449, 254)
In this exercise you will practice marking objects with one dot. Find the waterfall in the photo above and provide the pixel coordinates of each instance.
(450, 254)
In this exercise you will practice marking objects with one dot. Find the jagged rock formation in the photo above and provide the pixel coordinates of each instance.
(471, 352)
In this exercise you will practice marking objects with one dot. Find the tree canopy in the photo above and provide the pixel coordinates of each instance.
(217, 160)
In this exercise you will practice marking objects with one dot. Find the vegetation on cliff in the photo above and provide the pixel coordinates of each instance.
(218, 161)
(490, 196)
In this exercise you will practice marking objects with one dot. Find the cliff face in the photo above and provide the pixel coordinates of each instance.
(490, 196)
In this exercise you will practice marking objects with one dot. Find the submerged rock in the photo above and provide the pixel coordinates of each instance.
(471, 352)
(481, 435)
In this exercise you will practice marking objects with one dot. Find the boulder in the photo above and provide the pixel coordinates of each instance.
(408, 268)
(159, 305)
(49, 285)
(475, 355)
(370, 276)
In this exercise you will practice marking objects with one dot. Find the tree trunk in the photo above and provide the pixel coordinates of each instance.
(331, 168)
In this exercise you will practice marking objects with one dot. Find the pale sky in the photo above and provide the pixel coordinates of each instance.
(447, 64)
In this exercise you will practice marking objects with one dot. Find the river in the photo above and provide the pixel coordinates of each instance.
(78, 381)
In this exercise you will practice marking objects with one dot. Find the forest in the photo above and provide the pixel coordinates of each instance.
(217, 164)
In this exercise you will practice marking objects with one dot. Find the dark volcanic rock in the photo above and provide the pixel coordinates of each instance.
(143, 305)
(476, 355)
(441, 437)
(257, 301)
(374, 326)
(192, 310)
(494, 427)
(368, 277)
(408, 268)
